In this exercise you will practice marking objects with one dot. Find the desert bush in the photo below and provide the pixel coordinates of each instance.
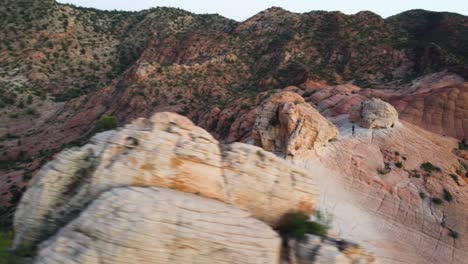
(462, 145)
(381, 171)
(429, 167)
(5, 241)
(298, 224)
(422, 195)
(18, 257)
(436, 200)
(30, 111)
(447, 195)
(454, 178)
(415, 174)
(106, 122)
(454, 234)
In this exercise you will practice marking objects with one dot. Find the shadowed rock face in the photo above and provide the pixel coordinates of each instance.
(286, 124)
(158, 226)
(374, 113)
(165, 151)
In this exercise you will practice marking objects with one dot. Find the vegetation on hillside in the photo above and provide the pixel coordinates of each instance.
(297, 225)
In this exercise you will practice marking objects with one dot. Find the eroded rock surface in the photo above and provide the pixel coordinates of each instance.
(316, 250)
(171, 227)
(373, 184)
(165, 151)
(285, 123)
(374, 113)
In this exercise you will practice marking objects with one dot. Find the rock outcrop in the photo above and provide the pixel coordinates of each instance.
(286, 124)
(374, 186)
(158, 226)
(165, 151)
(374, 113)
(316, 250)
(442, 110)
(436, 102)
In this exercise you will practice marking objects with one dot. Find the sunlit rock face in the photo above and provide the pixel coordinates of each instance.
(166, 151)
(286, 124)
(374, 113)
(158, 226)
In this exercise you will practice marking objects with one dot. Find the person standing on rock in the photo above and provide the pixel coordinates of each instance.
(353, 129)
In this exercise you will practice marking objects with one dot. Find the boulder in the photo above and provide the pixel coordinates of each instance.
(374, 113)
(286, 124)
(158, 226)
(166, 151)
(317, 250)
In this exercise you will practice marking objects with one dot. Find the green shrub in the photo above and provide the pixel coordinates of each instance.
(297, 225)
(422, 195)
(399, 164)
(260, 154)
(5, 242)
(436, 200)
(454, 178)
(6, 237)
(30, 111)
(447, 195)
(381, 171)
(106, 122)
(454, 234)
(429, 167)
(245, 106)
(462, 145)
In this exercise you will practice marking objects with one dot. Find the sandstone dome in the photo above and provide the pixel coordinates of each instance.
(374, 113)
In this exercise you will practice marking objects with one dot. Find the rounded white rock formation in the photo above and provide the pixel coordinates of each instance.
(159, 226)
(374, 113)
(166, 151)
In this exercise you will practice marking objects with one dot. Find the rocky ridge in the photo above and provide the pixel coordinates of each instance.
(154, 225)
(165, 151)
(114, 196)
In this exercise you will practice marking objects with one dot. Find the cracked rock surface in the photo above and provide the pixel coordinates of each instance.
(286, 124)
(171, 227)
(166, 151)
(373, 184)
(374, 113)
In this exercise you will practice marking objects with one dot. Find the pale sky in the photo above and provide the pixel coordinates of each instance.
(242, 9)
